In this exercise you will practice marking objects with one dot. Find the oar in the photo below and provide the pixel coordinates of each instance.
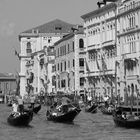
(73, 106)
(94, 109)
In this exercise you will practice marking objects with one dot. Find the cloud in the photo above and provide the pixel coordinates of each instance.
(7, 28)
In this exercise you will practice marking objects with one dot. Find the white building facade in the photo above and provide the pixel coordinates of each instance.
(100, 40)
(128, 44)
(32, 44)
(69, 63)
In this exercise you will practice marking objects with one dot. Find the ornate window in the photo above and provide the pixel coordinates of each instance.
(58, 66)
(73, 45)
(73, 63)
(81, 43)
(65, 65)
(63, 83)
(81, 62)
(29, 50)
(61, 66)
(82, 81)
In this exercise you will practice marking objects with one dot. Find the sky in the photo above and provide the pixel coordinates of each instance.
(17, 16)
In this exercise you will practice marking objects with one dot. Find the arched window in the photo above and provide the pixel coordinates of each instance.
(29, 50)
(81, 62)
(61, 66)
(65, 65)
(136, 91)
(128, 89)
(81, 43)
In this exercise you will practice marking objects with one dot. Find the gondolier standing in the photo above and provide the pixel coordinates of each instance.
(15, 106)
(32, 100)
(20, 104)
(106, 98)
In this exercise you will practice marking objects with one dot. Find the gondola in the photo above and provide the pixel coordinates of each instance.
(9, 104)
(36, 109)
(20, 119)
(106, 111)
(91, 109)
(63, 117)
(129, 108)
(130, 122)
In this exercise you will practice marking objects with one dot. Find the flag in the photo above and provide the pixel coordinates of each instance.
(98, 67)
(108, 80)
(117, 63)
(104, 65)
(17, 83)
(17, 54)
(87, 67)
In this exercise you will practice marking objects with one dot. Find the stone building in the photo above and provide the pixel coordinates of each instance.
(50, 66)
(100, 42)
(7, 85)
(69, 62)
(128, 50)
(32, 44)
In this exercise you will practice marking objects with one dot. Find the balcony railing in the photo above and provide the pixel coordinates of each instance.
(82, 49)
(81, 68)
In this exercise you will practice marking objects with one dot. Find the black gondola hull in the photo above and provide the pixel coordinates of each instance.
(20, 120)
(128, 108)
(66, 118)
(92, 109)
(37, 109)
(9, 104)
(105, 111)
(119, 121)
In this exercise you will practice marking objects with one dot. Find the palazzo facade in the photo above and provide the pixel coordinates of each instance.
(70, 63)
(100, 40)
(34, 68)
(128, 40)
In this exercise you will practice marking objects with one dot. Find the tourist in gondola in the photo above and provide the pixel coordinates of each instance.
(65, 111)
(19, 117)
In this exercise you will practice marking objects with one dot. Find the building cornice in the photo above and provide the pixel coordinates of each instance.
(8, 78)
(97, 24)
(28, 35)
(36, 35)
(37, 52)
(129, 32)
(24, 56)
(128, 11)
(99, 11)
(69, 36)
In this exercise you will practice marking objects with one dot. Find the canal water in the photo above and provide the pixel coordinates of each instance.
(86, 127)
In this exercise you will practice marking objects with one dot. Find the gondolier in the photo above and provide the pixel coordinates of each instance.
(32, 100)
(15, 107)
(106, 98)
(20, 104)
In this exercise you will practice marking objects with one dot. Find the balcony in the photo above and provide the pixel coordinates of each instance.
(42, 61)
(130, 56)
(108, 43)
(29, 63)
(22, 74)
(81, 68)
(82, 49)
